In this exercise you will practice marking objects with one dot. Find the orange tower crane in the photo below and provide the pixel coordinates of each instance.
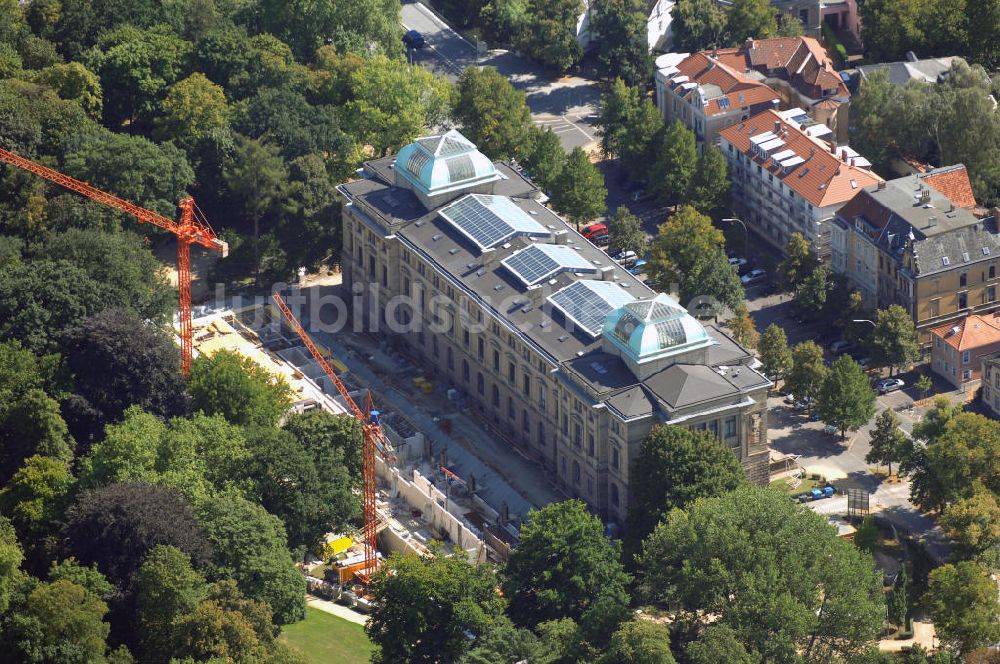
(373, 437)
(191, 228)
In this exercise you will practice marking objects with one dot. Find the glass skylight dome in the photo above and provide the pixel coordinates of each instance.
(439, 164)
(646, 330)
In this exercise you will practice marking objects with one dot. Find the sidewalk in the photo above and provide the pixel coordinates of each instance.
(923, 633)
(336, 609)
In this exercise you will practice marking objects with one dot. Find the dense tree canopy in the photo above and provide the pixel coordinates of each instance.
(771, 570)
(492, 113)
(623, 48)
(239, 389)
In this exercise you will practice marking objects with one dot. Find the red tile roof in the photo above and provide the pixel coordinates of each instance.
(823, 179)
(953, 182)
(802, 61)
(739, 89)
(973, 332)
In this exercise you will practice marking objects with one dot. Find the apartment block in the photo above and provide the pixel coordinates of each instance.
(786, 180)
(914, 241)
(558, 350)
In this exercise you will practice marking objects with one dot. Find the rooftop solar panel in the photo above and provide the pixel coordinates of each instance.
(588, 302)
(490, 220)
(541, 261)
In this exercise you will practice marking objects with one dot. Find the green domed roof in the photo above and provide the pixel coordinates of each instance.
(654, 328)
(436, 164)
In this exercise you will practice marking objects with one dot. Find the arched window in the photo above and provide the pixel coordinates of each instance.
(480, 384)
(465, 370)
(614, 494)
(576, 472)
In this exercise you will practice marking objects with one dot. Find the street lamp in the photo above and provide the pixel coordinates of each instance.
(746, 233)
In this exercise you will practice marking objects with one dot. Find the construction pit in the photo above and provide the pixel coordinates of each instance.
(423, 499)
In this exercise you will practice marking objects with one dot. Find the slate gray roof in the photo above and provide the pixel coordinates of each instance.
(931, 70)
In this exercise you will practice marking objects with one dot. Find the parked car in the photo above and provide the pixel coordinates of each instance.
(601, 240)
(639, 267)
(626, 258)
(887, 385)
(831, 429)
(738, 262)
(413, 39)
(753, 277)
(841, 346)
(594, 230)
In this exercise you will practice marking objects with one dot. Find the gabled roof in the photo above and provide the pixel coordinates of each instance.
(802, 61)
(953, 182)
(725, 88)
(820, 176)
(972, 332)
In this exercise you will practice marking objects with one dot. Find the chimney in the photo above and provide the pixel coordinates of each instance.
(560, 237)
(777, 127)
(843, 155)
(852, 162)
(812, 152)
(748, 43)
(996, 218)
(881, 185)
(490, 257)
(606, 273)
(536, 294)
(833, 147)
(911, 56)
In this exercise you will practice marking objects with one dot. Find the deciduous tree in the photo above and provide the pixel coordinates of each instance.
(623, 47)
(697, 25)
(718, 643)
(639, 642)
(887, 440)
(238, 389)
(60, 622)
(973, 524)
(545, 158)
(565, 567)
(751, 19)
(775, 354)
(806, 377)
(683, 243)
(625, 230)
(846, 399)
(492, 113)
(743, 328)
(962, 602)
(549, 33)
(193, 109)
(75, 82)
(35, 498)
(167, 589)
(774, 572)
(709, 190)
(798, 263)
(579, 192)
(424, 609)
(30, 424)
(675, 467)
(894, 341)
(671, 174)
(812, 292)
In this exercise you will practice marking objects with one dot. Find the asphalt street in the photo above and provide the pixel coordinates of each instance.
(565, 104)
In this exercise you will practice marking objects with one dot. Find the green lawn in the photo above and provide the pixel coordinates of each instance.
(806, 486)
(325, 638)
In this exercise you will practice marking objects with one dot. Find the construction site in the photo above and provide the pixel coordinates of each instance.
(429, 491)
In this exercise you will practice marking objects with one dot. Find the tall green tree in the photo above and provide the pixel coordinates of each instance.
(424, 608)
(714, 283)
(894, 341)
(35, 498)
(11, 557)
(257, 178)
(623, 49)
(74, 81)
(250, 547)
(549, 33)
(771, 570)
(962, 602)
(30, 424)
(676, 466)
(973, 524)
(846, 399)
(798, 263)
(626, 231)
(751, 19)
(619, 105)
(808, 373)
(501, 20)
(697, 25)
(670, 176)
(812, 292)
(683, 243)
(238, 389)
(775, 354)
(545, 158)
(393, 103)
(719, 643)
(59, 622)
(364, 27)
(492, 113)
(743, 328)
(887, 440)
(709, 191)
(565, 567)
(899, 599)
(983, 18)
(579, 192)
(639, 642)
(193, 109)
(167, 588)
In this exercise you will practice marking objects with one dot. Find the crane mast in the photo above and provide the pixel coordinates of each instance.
(192, 228)
(372, 435)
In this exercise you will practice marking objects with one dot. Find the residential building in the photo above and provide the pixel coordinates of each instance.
(990, 372)
(785, 180)
(557, 348)
(928, 70)
(840, 15)
(801, 72)
(958, 350)
(706, 95)
(914, 241)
